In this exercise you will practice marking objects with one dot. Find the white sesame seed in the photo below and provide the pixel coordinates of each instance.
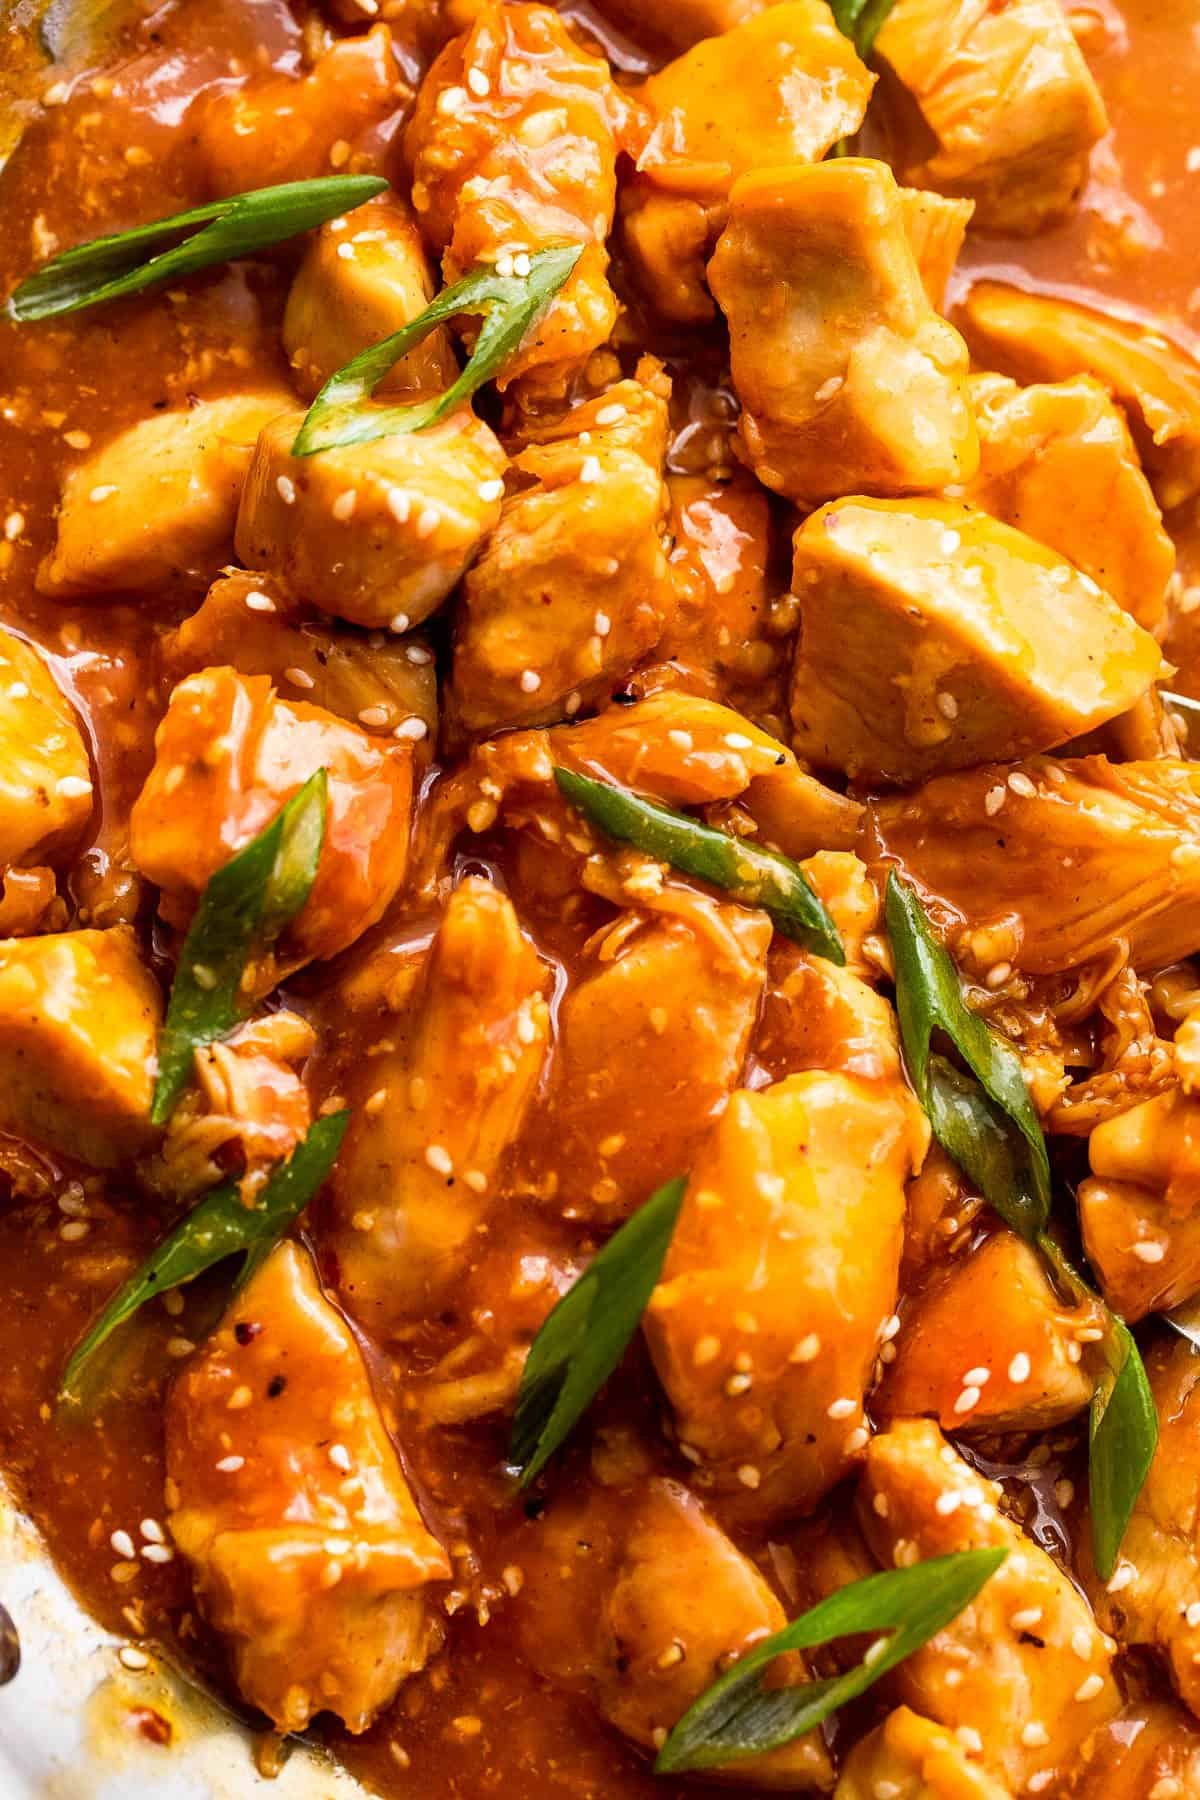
(611, 415)
(881, 1506)
(343, 507)
(299, 678)
(1041, 1780)
(346, 253)
(602, 624)
(1149, 1252)
(439, 1159)
(1192, 1615)
(969, 1738)
(977, 1377)
(491, 490)
(1020, 783)
(339, 1456)
(159, 1553)
(453, 100)
(504, 265)
(947, 705)
(949, 542)
(152, 1531)
(122, 1543)
(428, 520)
(417, 653)
(857, 1440)
(1064, 1492)
(104, 492)
(749, 1476)
(74, 1230)
(1034, 1735)
(966, 1400)
(375, 715)
(531, 681)
(399, 623)
(414, 729)
(1026, 1619)
(993, 800)
(521, 263)
(1019, 1368)
(14, 525)
(130, 1657)
(947, 1503)
(806, 1350)
(889, 1328)
(399, 503)
(1089, 1687)
(589, 470)
(286, 489)
(229, 1465)
(478, 83)
(842, 1409)
(1081, 1642)
(73, 787)
(1121, 1579)
(260, 603)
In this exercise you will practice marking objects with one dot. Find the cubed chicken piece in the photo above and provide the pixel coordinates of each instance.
(719, 633)
(684, 22)
(155, 507)
(1057, 461)
(79, 1020)
(936, 228)
(376, 533)
(1004, 93)
(933, 638)
(571, 589)
(848, 379)
(1140, 1212)
(817, 1016)
(282, 129)
(506, 160)
(1151, 1748)
(228, 755)
(988, 1346)
(289, 1502)
(1022, 1675)
(778, 88)
(1151, 1598)
(248, 620)
(45, 775)
(666, 997)
(636, 1599)
(780, 1278)
(423, 1161)
(1043, 865)
(1037, 338)
(911, 1758)
(364, 277)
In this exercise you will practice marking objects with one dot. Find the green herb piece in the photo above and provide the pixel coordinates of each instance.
(509, 304)
(110, 268)
(861, 21)
(244, 907)
(989, 1126)
(738, 1717)
(220, 1226)
(584, 1338)
(1122, 1439)
(756, 877)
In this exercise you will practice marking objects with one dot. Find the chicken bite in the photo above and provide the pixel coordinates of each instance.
(911, 1758)
(781, 1275)
(934, 638)
(423, 1161)
(155, 507)
(1043, 865)
(1150, 1748)
(228, 755)
(848, 379)
(376, 533)
(512, 147)
(364, 277)
(636, 1599)
(45, 776)
(1057, 461)
(573, 586)
(1005, 96)
(287, 1498)
(779, 87)
(1140, 1210)
(1022, 1674)
(247, 620)
(79, 1021)
(282, 129)
(988, 1346)
(1039, 338)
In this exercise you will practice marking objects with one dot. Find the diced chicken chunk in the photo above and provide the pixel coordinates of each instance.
(156, 506)
(573, 586)
(1150, 1748)
(936, 228)
(79, 1019)
(289, 1502)
(933, 638)
(781, 1273)
(282, 129)
(988, 1346)
(1037, 338)
(229, 753)
(364, 277)
(375, 533)
(507, 158)
(911, 1758)
(1023, 1669)
(1004, 92)
(1151, 1598)
(1140, 1212)
(45, 776)
(388, 687)
(1057, 461)
(1045, 864)
(638, 1600)
(848, 379)
(423, 1159)
(778, 88)
(670, 997)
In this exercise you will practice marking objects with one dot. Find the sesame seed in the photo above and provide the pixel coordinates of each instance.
(152, 1531)
(491, 490)
(428, 520)
(858, 1438)
(343, 507)
(240, 1399)
(439, 1159)
(947, 1503)
(285, 487)
(339, 1456)
(1019, 1368)
(611, 415)
(229, 1465)
(969, 1738)
(375, 715)
(738, 1384)
(966, 1400)
(418, 654)
(1064, 1492)
(977, 1377)
(122, 1543)
(1021, 784)
(504, 264)
(478, 83)
(159, 1553)
(1089, 1687)
(179, 1347)
(130, 1657)
(413, 728)
(1034, 1735)
(949, 542)
(204, 977)
(521, 263)
(947, 705)
(602, 624)
(452, 100)
(1026, 1619)
(78, 440)
(707, 1349)
(14, 525)
(476, 1180)
(1149, 1252)
(842, 1409)
(1081, 1642)
(399, 503)
(299, 678)
(806, 1350)
(73, 1230)
(749, 1476)
(672, 1656)
(531, 681)
(993, 800)
(589, 470)
(260, 603)
(1192, 1615)
(997, 975)
(1041, 1780)
(1125, 1574)
(881, 1506)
